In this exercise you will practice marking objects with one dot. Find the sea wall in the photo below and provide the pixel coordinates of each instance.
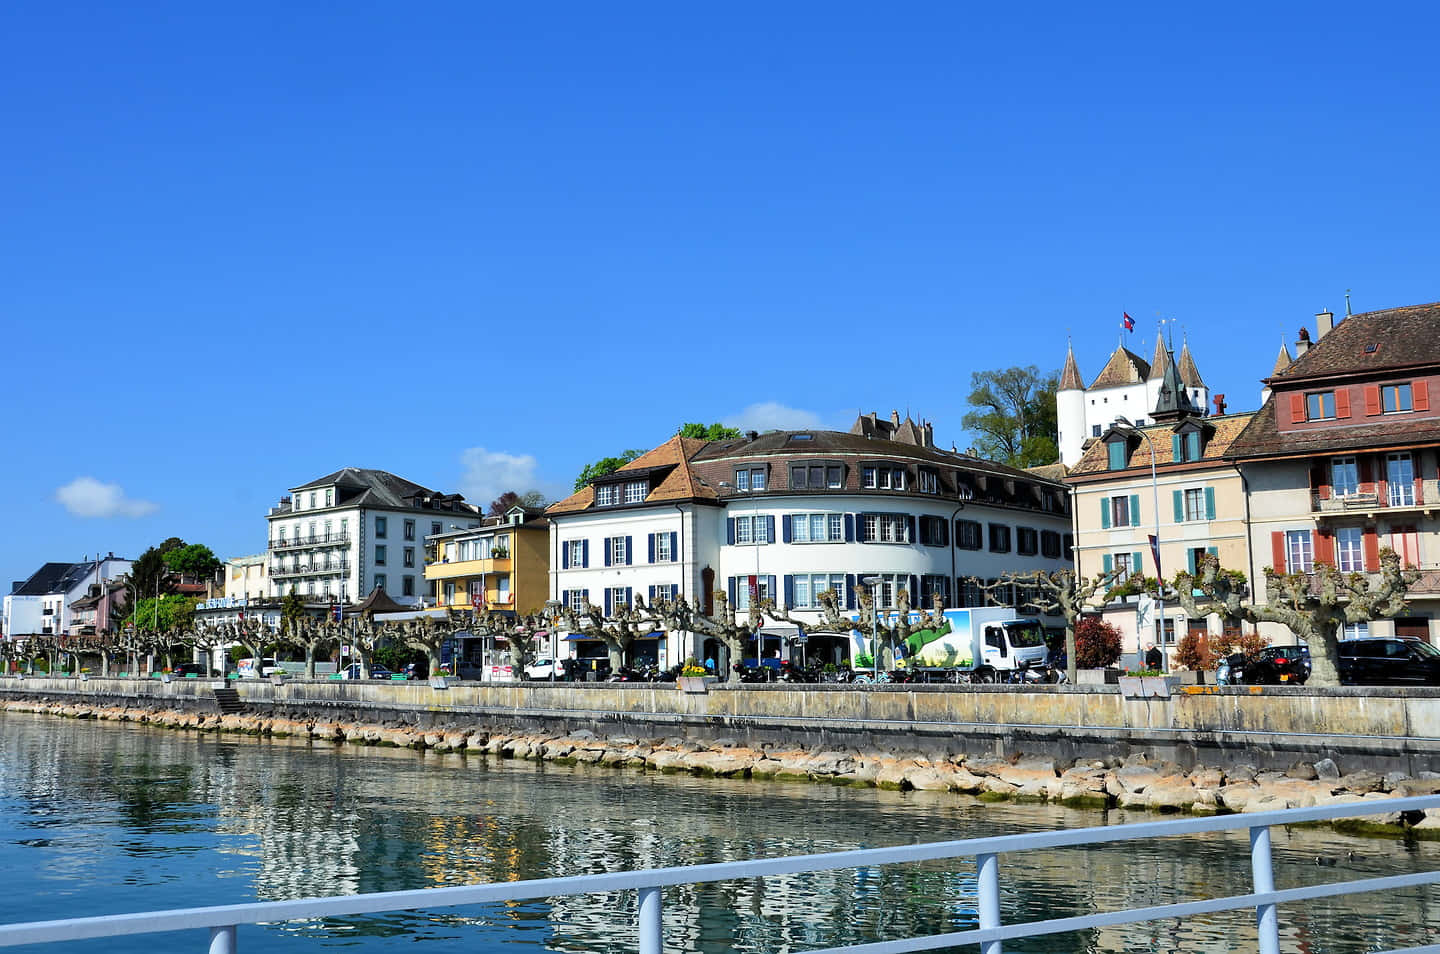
(1360, 728)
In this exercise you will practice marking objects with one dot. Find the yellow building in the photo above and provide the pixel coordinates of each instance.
(501, 565)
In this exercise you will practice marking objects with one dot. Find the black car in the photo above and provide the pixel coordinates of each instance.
(190, 669)
(1389, 661)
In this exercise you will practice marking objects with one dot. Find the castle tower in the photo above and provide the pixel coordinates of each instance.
(1282, 361)
(1070, 410)
(1190, 377)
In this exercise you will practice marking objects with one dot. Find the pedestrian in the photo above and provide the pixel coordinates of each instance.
(1154, 659)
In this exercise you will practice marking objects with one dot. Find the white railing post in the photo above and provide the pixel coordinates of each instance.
(651, 941)
(1262, 871)
(988, 905)
(222, 940)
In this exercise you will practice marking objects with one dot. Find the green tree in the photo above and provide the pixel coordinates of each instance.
(194, 560)
(605, 465)
(711, 432)
(532, 500)
(1015, 419)
(150, 575)
(292, 611)
(171, 612)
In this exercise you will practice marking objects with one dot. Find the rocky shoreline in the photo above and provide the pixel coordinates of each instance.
(1134, 782)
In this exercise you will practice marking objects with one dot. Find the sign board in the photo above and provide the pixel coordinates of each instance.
(1145, 614)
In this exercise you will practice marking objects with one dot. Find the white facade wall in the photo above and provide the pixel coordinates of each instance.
(110, 568)
(23, 615)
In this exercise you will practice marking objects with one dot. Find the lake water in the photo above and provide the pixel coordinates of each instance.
(102, 818)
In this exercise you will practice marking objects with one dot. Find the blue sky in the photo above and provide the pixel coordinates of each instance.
(479, 247)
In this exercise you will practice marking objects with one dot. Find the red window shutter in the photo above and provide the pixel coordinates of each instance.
(1324, 547)
(1420, 395)
(1342, 403)
(1297, 408)
(1277, 550)
(1372, 399)
(1372, 550)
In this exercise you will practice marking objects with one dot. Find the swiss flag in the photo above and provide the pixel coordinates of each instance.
(1128, 322)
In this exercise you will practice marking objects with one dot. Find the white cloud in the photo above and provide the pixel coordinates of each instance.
(772, 416)
(488, 474)
(88, 497)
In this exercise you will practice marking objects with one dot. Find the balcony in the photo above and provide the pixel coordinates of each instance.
(314, 540)
(1373, 498)
(455, 568)
(309, 569)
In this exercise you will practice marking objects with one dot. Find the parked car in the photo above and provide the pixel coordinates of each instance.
(545, 669)
(352, 671)
(190, 669)
(1389, 661)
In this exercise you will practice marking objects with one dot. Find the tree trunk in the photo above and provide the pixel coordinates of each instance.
(1072, 665)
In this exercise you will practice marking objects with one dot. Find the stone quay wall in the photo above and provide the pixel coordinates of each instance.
(1372, 729)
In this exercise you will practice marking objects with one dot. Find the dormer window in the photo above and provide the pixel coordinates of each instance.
(636, 490)
(929, 481)
(750, 478)
(330, 497)
(607, 495)
(1118, 453)
(817, 476)
(882, 477)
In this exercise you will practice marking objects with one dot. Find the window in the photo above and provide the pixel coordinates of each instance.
(742, 588)
(817, 477)
(968, 534)
(999, 538)
(1400, 477)
(1299, 555)
(970, 593)
(931, 584)
(1355, 631)
(1320, 406)
(884, 528)
(607, 495)
(380, 580)
(664, 548)
(1117, 455)
(1344, 476)
(929, 482)
(282, 534)
(934, 531)
(1095, 429)
(409, 556)
(1027, 541)
(1120, 511)
(887, 591)
(753, 529)
(817, 527)
(750, 478)
(1195, 503)
(1050, 544)
(663, 591)
(380, 555)
(380, 528)
(329, 498)
(807, 587)
(409, 529)
(312, 507)
(1405, 541)
(344, 527)
(635, 491)
(435, 528)
(882, 477)
(619, 548)
(1124, 565)
(1349, 549)
(576, 555)
(575, 600)
(1395, 398)
(1186, 446)
(502, 590)
(407, 585)
(450, 594)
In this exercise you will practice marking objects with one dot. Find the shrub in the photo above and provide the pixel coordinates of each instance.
(1189, 654)
(1097, 643)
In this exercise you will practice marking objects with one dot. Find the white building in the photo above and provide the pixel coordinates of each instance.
(247, 577)
(789, 514)
(40, 606)
(345, 534)
(1126, 387)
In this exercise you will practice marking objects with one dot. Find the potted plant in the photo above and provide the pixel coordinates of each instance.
(692, 677)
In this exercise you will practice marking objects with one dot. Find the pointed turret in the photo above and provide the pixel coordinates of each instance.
(1283, 360)
(1157, 363)
(1189, 374)
(1070, 379)
(1174, 401)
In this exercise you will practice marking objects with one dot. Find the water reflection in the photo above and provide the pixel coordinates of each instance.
(99, 818)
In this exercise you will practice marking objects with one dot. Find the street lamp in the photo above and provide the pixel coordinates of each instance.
(552, 611)
(874, 583)
(1124, 424)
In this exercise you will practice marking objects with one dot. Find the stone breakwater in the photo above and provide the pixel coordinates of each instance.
(1132, 782)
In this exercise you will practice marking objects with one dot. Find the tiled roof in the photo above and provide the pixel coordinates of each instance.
(1283, 359)
(1189, 374)
(1372, 341)
(1124, 367)
(679, 484)
(1263, 439)
(1157, 361)
(1070, 379)
(1226, 429)
(1055, 472)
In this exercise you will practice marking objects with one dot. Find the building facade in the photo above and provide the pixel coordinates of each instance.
(345, 534)
(1343, 459)
(43, 605)
(501, 564)
(788, 515)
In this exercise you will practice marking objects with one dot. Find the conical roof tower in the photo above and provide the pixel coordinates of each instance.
(1070, 379)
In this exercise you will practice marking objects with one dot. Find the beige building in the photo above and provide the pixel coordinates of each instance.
(246, 578)
(1168, 480)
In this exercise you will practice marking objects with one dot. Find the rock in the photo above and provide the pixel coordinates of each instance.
(893, 775)
(1134, 778)
(929, 779)
(1362, 783)
(1302, 770)
(1211, 778)
(1416, 786)
(1030, 779)
(829, 763)
(1170, 793)
(1241, 773)
(1130, 800)
(986, 766)
(722, 764)
(1327, 769)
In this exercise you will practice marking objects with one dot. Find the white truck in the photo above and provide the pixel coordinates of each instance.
(987, 642)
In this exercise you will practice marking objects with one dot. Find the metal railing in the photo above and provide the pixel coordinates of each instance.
(223, 921)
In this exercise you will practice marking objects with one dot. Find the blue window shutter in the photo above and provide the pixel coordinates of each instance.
(849, 528)
(1213, 551)
(652, 560)
(629, 597)
(944, 533)
(609, 549)
(651, 597)
(785, 531)
(1175, 451)
(769, 528)
(1178, 499)
(608, 608)
(1109, 563)
(789, 588)
(914, 590)
(674, 546)
(1135, 510)
(629, 551)
(859, 528)
(1209, 503)
(730, 530)
(586, 591)
(1105, 513)
(849, 590)
(732, 592)
(910, 528)
(1135, 565)
(565, 556)
(1190, 554)
(770, 587)
(585, 557)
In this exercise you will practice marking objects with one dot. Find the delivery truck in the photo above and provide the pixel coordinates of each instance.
(987, 642)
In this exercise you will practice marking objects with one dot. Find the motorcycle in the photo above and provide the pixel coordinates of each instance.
(791, 672)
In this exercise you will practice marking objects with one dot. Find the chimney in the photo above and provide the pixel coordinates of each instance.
(1324, 321)
(1219, 404)
(895, 418)
(1302, 344)
(752, 435)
